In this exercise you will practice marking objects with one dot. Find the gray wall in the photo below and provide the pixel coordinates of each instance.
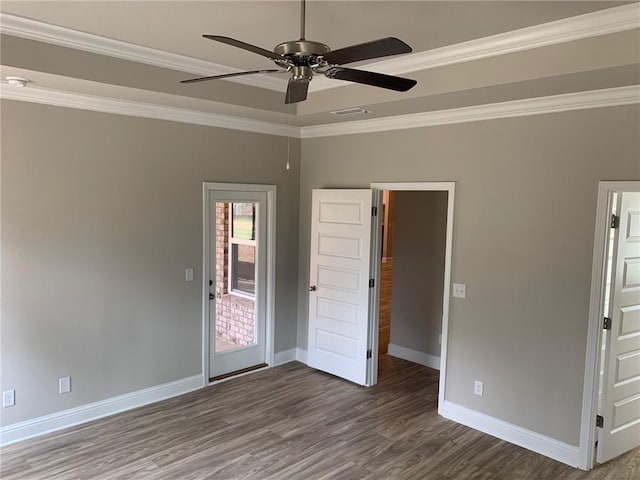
(418, 270)
(101, 214)
(523, 243)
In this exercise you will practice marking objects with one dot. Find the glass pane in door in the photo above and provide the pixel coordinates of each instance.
(235, 265)
(243, 258)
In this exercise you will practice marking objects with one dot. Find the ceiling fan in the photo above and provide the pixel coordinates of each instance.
(302, 58)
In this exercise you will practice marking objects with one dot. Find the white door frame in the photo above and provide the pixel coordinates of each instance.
(271, 263)
(377, 188)
(594, 335)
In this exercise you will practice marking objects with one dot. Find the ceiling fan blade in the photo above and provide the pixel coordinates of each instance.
(245, 46)
(383, 47)
(297, 90)
(227, 75)
(381, 80)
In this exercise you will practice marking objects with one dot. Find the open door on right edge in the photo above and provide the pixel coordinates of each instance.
(620, 407)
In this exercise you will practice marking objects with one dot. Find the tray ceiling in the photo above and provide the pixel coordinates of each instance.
(175, 28)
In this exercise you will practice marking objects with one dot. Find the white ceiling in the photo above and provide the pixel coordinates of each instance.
(177, 27)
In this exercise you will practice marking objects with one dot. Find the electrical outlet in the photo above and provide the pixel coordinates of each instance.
(8, 398)
(64, 384)
(459, 290)
(478, 388)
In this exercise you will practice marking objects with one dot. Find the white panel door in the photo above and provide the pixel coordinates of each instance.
(339, 283)
(621, 392)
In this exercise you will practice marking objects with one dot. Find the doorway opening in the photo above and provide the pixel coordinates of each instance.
(238, 279)
(344, 272)
(412, 268)
(425, 213)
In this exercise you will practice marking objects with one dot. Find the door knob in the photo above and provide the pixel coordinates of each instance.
(312, 288)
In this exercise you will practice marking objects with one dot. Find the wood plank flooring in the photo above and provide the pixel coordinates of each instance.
(292, 422)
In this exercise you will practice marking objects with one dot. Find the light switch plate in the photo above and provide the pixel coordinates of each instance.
(459, 290)
(188, 274)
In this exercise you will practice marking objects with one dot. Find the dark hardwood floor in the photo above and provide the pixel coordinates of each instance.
(292, 422)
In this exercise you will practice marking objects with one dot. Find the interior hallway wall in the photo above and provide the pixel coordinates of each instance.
(418, 270)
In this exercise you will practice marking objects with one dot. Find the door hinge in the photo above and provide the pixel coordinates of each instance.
(369, 353)
(599, 421)
(606, 324)
(374, 211)
(615, 221)
(372, 282)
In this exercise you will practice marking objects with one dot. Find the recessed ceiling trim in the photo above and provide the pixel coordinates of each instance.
(516, 108)
(67, 37)
(533, 106)
(145, 110)
(610, 20)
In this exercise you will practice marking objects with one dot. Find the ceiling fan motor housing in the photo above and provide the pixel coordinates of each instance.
(301, 48)
(302, 56)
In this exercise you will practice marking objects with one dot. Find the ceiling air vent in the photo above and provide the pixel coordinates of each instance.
(351, 111)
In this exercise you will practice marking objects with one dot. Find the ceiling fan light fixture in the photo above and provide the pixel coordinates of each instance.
(351, 111)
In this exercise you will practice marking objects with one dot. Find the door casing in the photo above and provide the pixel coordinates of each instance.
(270, 265)
(376, 238)
(594, 335)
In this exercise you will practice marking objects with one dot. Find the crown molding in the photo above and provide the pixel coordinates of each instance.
(610, 20)
(67, 37)
(146, 110)
(517, 108)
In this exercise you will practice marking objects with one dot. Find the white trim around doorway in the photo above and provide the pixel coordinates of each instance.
(594, 335)
(450, 188)
(271, 263)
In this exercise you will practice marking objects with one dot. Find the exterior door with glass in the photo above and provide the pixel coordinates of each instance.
(237, 287)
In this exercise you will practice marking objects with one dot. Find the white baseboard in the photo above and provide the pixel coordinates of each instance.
(285, 356)
(301, 355)
(520, 436)
(291, 355)
(414, 356)
(92, 411)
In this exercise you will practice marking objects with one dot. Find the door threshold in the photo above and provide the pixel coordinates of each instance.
(237, 372)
